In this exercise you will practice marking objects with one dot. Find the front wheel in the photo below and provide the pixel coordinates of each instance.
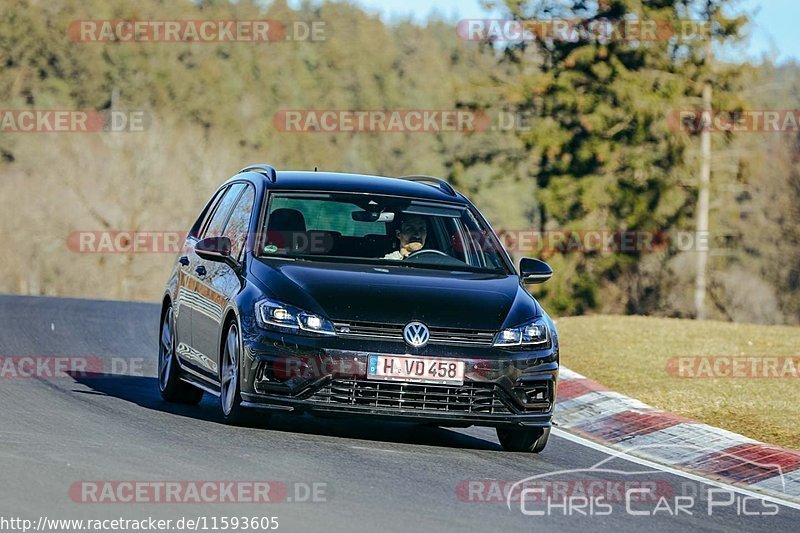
(230, 392)
(529, 440)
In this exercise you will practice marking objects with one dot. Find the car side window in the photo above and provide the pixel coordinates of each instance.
(220, 217)
(205, 214)
(239, 223)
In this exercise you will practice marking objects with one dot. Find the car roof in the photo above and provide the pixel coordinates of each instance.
(359, 183)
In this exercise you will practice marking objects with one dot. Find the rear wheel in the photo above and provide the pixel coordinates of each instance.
(169, 382)
(530, 440)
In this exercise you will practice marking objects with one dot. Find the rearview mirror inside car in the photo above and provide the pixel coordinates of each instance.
(372, 216)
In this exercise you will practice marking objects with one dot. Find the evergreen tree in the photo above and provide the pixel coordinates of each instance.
(603, 152)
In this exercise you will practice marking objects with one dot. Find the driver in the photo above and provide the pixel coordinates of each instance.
(412, 234)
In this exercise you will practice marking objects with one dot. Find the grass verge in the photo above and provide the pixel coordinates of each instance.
(638, 356)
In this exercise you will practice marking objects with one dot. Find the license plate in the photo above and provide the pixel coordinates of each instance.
(415, 369)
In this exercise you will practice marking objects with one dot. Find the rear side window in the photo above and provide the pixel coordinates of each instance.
(220, 217)
(205, 215)
(239, 223)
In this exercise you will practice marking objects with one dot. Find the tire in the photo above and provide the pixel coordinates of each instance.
(531, 440)
(230, 398)
(169, 383)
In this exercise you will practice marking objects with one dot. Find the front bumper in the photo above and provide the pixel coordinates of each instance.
(327, 376)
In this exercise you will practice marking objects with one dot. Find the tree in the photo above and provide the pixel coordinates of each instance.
(602, 150)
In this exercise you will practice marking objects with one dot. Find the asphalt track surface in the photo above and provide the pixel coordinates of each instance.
(378, 476)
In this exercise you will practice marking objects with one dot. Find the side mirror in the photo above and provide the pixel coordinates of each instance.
(533, 271)
(215, 249)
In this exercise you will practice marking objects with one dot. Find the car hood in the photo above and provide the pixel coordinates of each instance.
(396, 294)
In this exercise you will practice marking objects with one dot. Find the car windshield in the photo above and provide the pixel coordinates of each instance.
(367, 228)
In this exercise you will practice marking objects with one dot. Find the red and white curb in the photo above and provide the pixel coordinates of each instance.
(587, 409)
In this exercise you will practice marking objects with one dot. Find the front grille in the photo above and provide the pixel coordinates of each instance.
(469, 398)
(393, 332)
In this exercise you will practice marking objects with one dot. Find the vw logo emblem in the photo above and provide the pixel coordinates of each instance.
(416, 334)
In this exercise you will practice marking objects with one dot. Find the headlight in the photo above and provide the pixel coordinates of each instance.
(533, 333)
(275, 315)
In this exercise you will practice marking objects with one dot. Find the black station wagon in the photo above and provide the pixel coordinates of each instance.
(354, 295)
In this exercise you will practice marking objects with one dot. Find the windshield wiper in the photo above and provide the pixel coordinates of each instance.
(388, 262)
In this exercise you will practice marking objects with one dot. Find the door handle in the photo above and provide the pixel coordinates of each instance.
(184, 260)
(201, 270)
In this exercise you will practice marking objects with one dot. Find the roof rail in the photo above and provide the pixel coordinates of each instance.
(442, 184)
(266, 170)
